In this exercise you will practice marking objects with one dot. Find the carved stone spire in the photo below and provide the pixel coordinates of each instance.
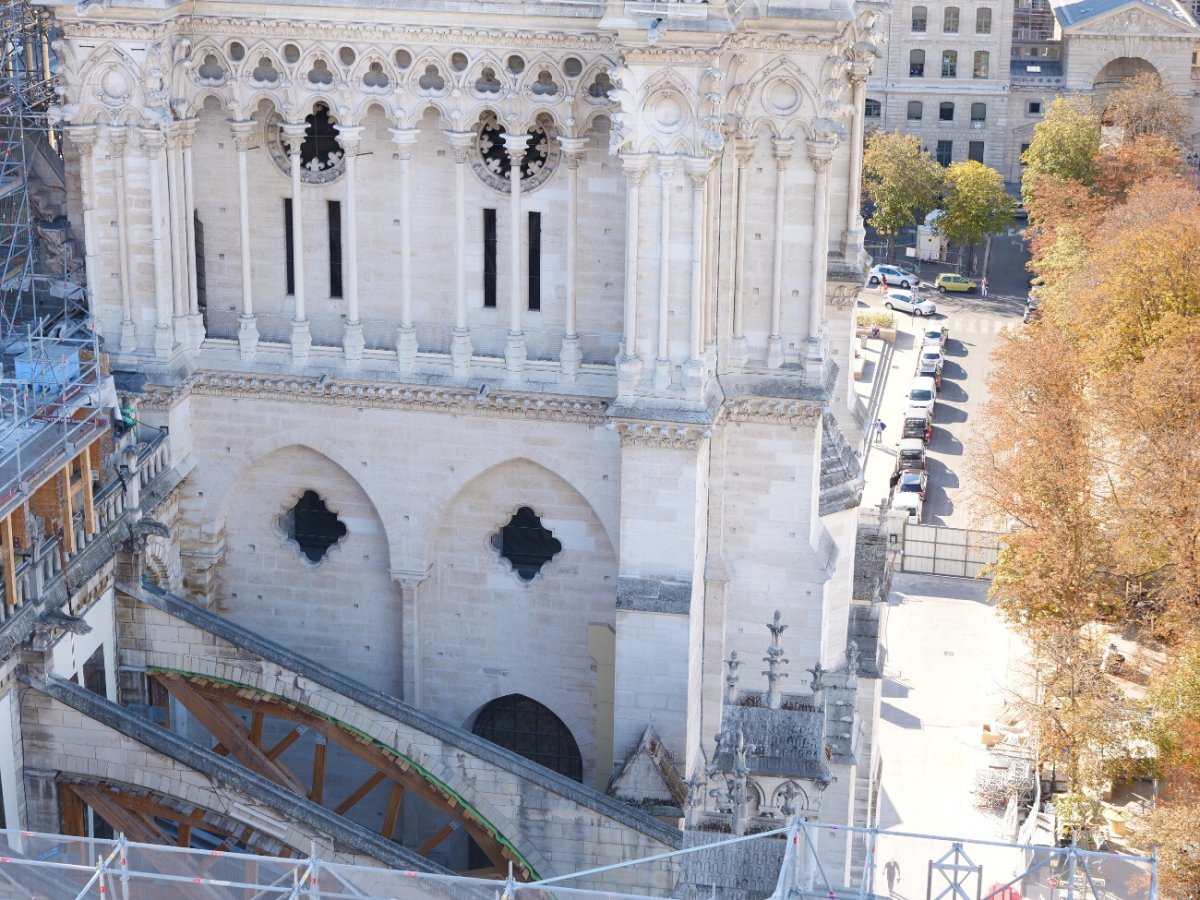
(774, 659)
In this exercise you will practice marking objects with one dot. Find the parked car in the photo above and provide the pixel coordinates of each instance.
(930, 361)
(896, 277)
(923, 394)
(918, 423)
(913, 481)
(935, 335)
(911, 503)
(1032, 312)
(948, 281)
(910, 455)
(906, 301)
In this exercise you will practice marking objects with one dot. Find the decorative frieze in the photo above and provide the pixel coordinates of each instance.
(670, 436)
(772, 411)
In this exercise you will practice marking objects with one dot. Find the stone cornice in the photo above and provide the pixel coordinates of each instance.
(773, 411)
(665, 435)
(381, 395)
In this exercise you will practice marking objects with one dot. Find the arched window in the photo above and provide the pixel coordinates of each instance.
(915, 110)
(529, 729)
(978, 112)
(313, 526)
(872, 109)
(920, 16)
(946, 112)
(982, 64)
(916, 63)
(950, 20)
(949, 63)
(983, 21)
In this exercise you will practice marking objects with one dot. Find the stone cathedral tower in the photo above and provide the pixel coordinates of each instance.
(505, 345)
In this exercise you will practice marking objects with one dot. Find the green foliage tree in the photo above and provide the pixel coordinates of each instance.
(900, 179)
(1065, 143)
(975, 205)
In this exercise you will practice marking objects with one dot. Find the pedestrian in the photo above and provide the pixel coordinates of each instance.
(891, 872)
(983, 287)
(879, 426)
(883, 284)
(894, 480)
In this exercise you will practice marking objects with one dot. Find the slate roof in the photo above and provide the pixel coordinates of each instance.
(748, 870)
(864, 631)
(841, 474)
(1073, 13)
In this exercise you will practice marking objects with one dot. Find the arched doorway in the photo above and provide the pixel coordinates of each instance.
(1115, 73)
(526, 727)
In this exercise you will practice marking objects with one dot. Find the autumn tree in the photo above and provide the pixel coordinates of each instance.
(900, 179)
(1143, 158)
(975, 205)
(1065, 143)
(1146, 106)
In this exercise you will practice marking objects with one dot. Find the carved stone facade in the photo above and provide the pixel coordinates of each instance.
(571, 259)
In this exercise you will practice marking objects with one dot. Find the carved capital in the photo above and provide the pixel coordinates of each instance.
(404, 139)
(634, 166)
(118, 139)
(516, 145)
(187, 132)
(350, 137)
(293, 135)
(244, 133)
(83, 136)
(820, 152)
(573, 149)
(153, 141)
(698, 169)
(666, 435)
(783, 148)
(461, 142)
(772, 411)
(744, 149)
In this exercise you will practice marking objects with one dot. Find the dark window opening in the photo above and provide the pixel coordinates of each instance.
(489, 257)
(93, 673)
(201, 281)
(527, 728)
(313, 526)
(946, 112)
(975, 151)
(335, 248)
(872, 109)
(535, 260)
(526, 543)
(945, 151)
(320, 149)
(1024, 147)
(288, 249)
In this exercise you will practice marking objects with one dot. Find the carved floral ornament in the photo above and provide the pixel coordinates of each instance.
(666, 435)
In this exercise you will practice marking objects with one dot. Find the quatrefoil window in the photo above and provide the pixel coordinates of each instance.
(526, 543)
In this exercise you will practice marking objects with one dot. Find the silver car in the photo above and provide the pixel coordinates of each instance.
(896, 277)
(905, 301)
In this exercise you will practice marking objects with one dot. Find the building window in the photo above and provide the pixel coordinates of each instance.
(335, 248)
(983, 21)
(916, 63)
(1034, 108)
(526, 543)
(975, 151)
(529, 729)
(983, 61)
(946, 112)
(312, 526)
(535, 260)
(950, 20)
(489, 258)
(288, 248)
(945, 150)
(873, 109)
(93, 673)
(949, 63)
(920, 17)
(1021, 156)
(915, 110)
(978, 112)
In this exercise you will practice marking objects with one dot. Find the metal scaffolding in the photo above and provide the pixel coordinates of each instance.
(41, 275)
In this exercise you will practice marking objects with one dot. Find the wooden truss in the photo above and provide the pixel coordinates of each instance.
(207, 701)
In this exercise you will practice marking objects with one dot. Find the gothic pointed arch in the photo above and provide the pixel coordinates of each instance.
(531, 729)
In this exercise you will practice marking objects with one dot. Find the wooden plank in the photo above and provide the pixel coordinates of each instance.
(9, 561)
(256, 727)
(393, 810)
(286, 741)
(185, 835)
(106, 805)
(233, 734)
(361, 791)
(73, 815)
(89, 504)
(437, 837)
(68, 513)
(317, 794)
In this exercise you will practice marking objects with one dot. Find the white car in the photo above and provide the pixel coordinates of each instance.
(911, 502)
(896, 277)
(923, 394)
(934, 335)
(931, 360)
(906, 302)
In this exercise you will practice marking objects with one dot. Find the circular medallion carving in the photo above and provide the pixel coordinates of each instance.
(669, 113)
(114, 86)
(321, 156)
(783, 97)
(491, 163)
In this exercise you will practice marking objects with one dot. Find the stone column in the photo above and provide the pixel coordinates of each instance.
(740, 349)
(460, 343)
(175, 233)
(409, 580)
(244, 133)
(693, 371)
(783, 156)
(662, 361)
(187, 134)
(819, 153)
(293, 133)
(153, 142)
(570, 359)
(515, 353)
(406, 340)
(84, 138)
(352, 335)
(629, 365)
(118, 143)
(853, 237)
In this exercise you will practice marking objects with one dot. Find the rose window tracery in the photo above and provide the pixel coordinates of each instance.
(322, 159)
(493, 166)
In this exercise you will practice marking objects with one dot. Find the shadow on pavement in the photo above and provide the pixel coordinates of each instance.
(888, 817)
(952, 371)
(951, 391)
(944, 415)
(898, 717)
(941, 587)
